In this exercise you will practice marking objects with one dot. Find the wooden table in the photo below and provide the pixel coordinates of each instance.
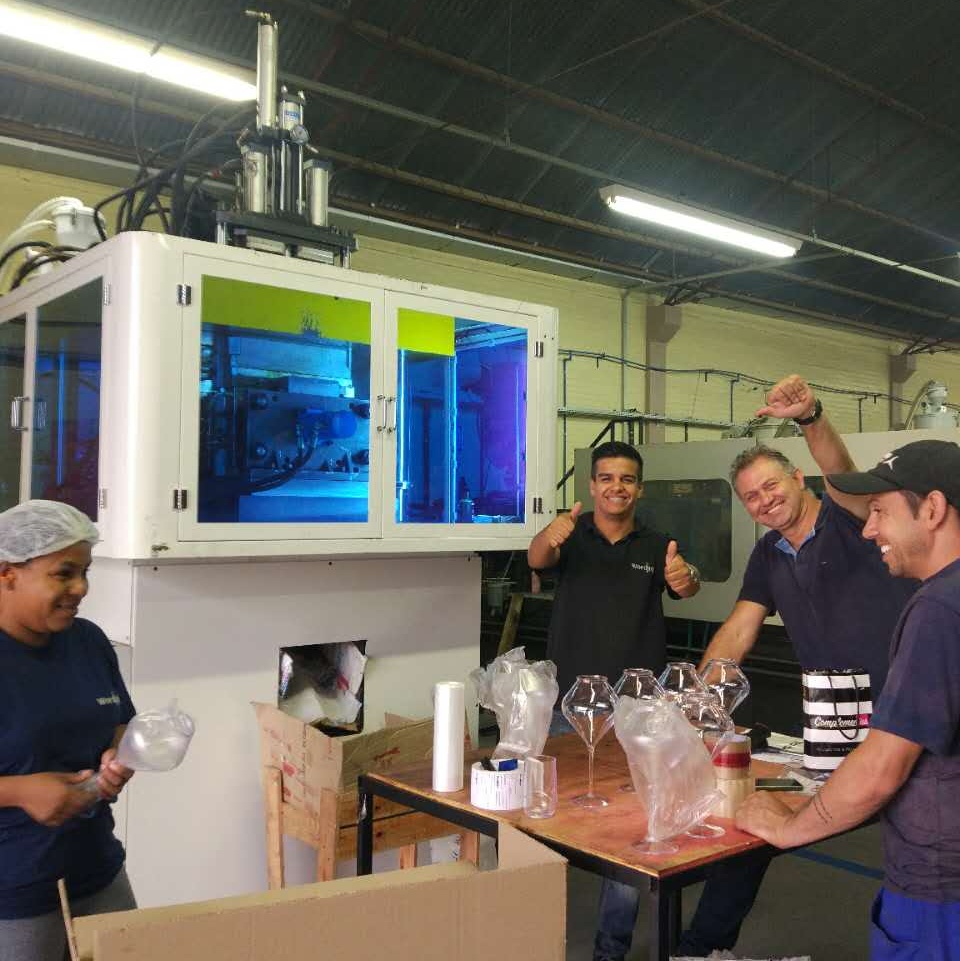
(597, 840)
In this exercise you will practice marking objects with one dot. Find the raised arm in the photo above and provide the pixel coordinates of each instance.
(737, 634)
(544, 550)
(793, 398)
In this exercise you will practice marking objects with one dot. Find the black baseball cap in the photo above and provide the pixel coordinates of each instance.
(921, 467)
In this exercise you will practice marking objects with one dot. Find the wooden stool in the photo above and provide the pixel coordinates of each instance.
(333, 832)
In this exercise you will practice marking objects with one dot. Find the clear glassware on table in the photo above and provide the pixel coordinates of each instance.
(681, 677)
(539, 786)
(588, 707)
(725, 678)
(642, 684)
(705, 712)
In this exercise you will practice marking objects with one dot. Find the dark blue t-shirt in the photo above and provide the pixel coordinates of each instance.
(921, 703)
(59, 708)
(838, 601)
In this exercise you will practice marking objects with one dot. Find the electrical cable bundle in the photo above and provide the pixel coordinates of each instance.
(142, 199)
(50, 254)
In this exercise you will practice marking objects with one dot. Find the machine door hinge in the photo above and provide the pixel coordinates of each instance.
(180, 499)
(538, 505)
(538, 348)
(102, 498)
(184, 295)
(107, 292)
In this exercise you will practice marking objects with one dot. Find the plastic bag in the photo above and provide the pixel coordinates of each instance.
(521, 694)
(156, 740)
(669, 765)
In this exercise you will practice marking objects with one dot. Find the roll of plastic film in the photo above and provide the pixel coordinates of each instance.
(448, 717)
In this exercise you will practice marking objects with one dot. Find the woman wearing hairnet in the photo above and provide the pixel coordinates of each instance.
(63, 708)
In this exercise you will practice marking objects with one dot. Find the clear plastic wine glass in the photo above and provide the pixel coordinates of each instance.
(640, 683)
(705, 712)
(588, 707)
(725, 678)
(681, 677)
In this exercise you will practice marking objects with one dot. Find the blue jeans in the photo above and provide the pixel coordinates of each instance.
(905, 929)
(727, 898)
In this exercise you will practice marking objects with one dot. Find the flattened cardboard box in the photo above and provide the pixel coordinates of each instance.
(311, 761)
(450, 912)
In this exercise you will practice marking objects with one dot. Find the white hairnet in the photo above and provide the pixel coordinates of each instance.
(35, 528)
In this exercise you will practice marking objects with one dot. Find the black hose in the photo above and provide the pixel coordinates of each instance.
(162, 175)
(23, 246)
(31, 265)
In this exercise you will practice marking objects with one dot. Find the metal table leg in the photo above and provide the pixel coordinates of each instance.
(364, 827)
(666, 916)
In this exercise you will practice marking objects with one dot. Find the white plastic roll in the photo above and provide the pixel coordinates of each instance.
(448, 714)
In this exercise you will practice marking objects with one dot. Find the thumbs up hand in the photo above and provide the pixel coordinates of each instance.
(681, 577)
(560, 528)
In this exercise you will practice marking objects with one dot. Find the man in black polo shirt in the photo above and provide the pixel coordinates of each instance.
(608, 613)
(909, 764)
(607, 610)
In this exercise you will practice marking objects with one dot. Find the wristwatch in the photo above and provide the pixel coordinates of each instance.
(813, 418)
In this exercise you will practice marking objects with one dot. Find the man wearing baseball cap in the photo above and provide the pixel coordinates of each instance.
(909, 764)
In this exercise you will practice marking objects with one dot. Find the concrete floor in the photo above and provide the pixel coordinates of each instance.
(805, 907)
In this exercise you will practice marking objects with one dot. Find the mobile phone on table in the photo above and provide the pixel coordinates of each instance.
(778, 784)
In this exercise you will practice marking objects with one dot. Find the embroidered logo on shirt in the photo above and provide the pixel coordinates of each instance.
(646, 568)
(112, 699)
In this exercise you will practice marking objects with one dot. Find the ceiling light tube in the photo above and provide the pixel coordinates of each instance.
(83, 38)
(668, 213)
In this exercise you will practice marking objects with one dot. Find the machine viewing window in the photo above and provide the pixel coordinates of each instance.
(284, 405)
(697, 513)
(461, 416)
(66, 402)
(12, 348)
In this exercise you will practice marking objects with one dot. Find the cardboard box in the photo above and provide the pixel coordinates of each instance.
(450, 912)
(318, 784)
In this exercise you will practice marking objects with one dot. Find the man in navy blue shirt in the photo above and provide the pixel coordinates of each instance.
(838, 603)
(909, 764)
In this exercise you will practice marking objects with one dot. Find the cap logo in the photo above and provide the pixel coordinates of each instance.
(888, 460)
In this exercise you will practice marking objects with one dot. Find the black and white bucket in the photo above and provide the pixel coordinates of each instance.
(837, 708)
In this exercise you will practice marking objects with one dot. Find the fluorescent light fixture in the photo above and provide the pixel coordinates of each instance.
(83, 38)
(667, 213)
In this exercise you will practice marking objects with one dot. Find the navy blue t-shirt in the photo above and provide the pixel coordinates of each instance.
(838, 601)
(59, 708)
(921, 703)
(608, 608)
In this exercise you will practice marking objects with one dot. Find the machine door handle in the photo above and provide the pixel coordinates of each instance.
(382, 400)
(391, 421)
(16, 413)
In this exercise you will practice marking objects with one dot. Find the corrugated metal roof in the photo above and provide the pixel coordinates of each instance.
(821, 117)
